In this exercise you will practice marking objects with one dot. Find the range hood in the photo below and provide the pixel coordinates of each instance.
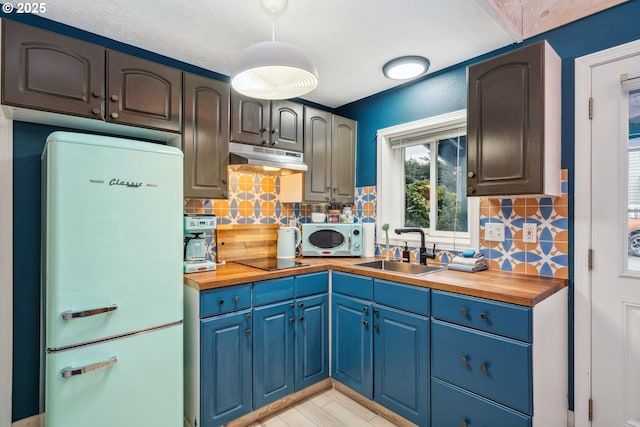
(270, 161)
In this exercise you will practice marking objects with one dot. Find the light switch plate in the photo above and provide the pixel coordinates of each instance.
(494, 232)
(529, 232)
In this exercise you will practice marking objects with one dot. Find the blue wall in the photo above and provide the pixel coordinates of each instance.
(437, 93)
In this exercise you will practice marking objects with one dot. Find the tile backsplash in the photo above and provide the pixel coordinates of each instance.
(254, 199)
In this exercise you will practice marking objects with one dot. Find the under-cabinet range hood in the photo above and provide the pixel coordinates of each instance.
(271, 161)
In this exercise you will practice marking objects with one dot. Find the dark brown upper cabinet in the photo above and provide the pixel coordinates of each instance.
(329, 151)
(47, 71)
(205, 137)
(143, 93)
(513, 124)
(276, 124)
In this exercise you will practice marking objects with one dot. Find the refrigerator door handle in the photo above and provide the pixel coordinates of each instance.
(68, 315)
(71, 372)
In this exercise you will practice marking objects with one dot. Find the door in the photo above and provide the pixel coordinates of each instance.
(317, 154)
(352, 349)
(249, 120)
(312, 340)
(274, 352)
(286, 125)
(225, 367)
(615, 276)
(343, 163)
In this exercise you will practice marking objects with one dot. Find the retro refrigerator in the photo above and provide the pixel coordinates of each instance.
(112, 282)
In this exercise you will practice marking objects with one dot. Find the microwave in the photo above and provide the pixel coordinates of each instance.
(332, 239)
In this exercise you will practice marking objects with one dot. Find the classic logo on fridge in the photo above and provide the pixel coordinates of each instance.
(116, 181)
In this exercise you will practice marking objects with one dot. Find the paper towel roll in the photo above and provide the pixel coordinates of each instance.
(369, 240)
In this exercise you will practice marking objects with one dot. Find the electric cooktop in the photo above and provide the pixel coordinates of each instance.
(271, 264)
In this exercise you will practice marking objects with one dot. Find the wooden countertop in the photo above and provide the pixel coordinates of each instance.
(496, 285)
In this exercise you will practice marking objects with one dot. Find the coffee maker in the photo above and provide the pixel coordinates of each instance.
(195, 245)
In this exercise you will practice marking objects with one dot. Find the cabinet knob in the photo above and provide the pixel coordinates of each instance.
(375, 326)
(96, 94)
(292, 305)
(221, 301)
(471, 190)
(96, 111)
(263, 130)
(248, 316)
(484, 316)
(115, 98)
(224, 180)
(292, 320)
(483, 367)
(464, 360)
(274, 143)
(471, 174)
(464, 423)
(236, 299)
(302, 318)
(365, 323)
(114, 115)
(274, 131)
(301, 304)
(375, 311)
(247, 332)
(264, 142)
(464, 312)
(365, 309)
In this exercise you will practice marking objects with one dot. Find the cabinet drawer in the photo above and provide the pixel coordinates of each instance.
(492, 316)
(310, 284)
(269, 291)
(495, 367)
(224, 300)
(452, 406)
(405, 297)
(353, 285)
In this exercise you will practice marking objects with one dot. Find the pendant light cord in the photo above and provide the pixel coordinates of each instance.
(273, 25)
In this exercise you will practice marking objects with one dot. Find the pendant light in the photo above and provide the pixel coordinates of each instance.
(274, 69)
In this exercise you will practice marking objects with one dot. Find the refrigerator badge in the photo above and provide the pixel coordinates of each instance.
(132, 184)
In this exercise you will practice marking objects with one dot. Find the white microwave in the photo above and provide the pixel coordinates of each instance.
(331, 239)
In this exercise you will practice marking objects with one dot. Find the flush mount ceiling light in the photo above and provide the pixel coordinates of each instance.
(272, 69)
(406, 67)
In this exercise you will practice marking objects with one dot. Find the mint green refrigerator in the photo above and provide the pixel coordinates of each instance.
(111, 282)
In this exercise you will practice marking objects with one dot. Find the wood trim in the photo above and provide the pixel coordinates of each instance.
(508, 14)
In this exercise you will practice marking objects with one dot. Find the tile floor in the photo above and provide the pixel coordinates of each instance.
(329, 408)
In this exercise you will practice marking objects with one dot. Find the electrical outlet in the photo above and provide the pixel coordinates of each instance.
(529, 232)
(494, 232)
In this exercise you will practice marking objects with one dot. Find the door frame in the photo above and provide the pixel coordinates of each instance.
(582, 222)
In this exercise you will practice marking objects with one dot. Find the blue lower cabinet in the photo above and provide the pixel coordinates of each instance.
(312, 340)
(495, 367)
(352, 355)
(453, 406)
(401, 365)
(273, 352)
(225, 367)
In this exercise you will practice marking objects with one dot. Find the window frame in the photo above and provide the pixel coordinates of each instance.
(390, 161)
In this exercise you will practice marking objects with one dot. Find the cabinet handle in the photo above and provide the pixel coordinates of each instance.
(236, 299)
(96, 111)
(471, 174)
(247, 332)
(464, 312)
(221, 302)
(72, 372)
(483, 368)
(365, 309)
(484, 316)
(365, 323)
(68, 315)
(302, 318)
(114, 115)
(464, 360)
(115, 98)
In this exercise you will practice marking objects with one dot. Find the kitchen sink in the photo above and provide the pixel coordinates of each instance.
(400, 267)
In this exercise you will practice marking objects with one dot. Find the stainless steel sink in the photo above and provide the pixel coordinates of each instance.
(400, 267)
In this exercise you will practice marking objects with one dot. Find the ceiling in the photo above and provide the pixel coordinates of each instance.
(349, 40)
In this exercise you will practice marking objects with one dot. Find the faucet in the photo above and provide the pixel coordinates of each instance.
(423, 254)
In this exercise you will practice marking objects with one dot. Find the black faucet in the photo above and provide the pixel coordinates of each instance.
(423, 254)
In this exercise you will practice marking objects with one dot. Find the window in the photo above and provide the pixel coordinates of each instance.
(421, 182)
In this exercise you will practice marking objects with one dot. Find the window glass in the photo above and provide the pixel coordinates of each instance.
(417, 175)
(451, 172)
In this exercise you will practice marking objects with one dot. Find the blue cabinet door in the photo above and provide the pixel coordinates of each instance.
(225, 367)
(273, 352)
(401, 368)
(312, 340)
(352, 354)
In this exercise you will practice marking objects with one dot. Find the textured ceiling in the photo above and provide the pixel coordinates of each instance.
(349, 40)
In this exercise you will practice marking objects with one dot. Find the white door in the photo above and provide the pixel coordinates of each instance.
(615, 275)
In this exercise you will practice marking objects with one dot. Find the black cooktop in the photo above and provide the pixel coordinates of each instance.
(271, 264)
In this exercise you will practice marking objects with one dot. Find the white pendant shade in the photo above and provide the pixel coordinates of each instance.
(274, 70)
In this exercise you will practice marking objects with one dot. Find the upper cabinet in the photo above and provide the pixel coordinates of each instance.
(46, 71)
(205, 137)
(276, 124)
(143, 93)
(513, 124)
(329, 150)
(51, 72)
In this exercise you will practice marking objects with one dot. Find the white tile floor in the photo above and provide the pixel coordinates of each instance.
(329, 408)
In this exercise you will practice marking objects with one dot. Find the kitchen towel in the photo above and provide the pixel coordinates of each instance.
(369, 240)
(474, 264)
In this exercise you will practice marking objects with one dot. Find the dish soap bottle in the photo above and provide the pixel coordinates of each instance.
(406, 255)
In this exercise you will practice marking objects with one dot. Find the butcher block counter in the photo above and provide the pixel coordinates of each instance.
(496, 285)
